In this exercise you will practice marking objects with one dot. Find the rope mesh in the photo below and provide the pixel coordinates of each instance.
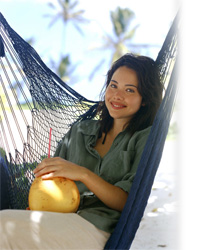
(33, 100)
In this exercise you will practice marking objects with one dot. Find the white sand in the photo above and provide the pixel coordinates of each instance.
(158, 228)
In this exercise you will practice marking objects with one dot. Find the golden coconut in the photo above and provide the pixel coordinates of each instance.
(56, 195)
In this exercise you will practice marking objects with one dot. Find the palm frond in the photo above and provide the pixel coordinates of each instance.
(54, 20)
(130, 34)
(121, 19)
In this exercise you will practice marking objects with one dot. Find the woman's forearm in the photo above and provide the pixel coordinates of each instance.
(112, 196)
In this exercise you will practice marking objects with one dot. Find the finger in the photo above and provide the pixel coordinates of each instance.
(48, 176)
(39, 167)
(46, 170)
(43, 164)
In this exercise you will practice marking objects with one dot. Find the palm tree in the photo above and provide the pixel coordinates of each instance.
(121, 19)
(120, 42)
(65, 11)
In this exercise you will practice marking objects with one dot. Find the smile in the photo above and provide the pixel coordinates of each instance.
(117, 105)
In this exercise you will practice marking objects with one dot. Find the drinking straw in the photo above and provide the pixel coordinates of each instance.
(49, 149)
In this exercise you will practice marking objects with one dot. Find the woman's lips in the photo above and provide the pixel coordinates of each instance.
(116, 105)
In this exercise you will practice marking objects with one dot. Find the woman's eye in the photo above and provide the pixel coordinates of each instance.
(112, 85)
(130, 90)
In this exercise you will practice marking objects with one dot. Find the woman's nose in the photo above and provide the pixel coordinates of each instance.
(118, 95)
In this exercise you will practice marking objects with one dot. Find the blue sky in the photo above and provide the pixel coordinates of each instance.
(26, 17)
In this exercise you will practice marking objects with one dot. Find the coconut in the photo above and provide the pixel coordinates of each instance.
(56, 195)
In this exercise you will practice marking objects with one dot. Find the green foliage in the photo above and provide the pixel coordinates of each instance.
(62, 69)
(43, 157)
(66, 11)
(2, 153)
(123, 32)
(121, 19)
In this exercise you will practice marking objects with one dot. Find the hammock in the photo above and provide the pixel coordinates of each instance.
(34, 99)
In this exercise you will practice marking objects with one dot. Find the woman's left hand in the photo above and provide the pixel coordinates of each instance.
(58, 167)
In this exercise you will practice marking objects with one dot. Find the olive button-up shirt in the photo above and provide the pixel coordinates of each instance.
(117, 167)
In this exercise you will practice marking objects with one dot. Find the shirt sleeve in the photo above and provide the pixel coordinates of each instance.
(127, 180)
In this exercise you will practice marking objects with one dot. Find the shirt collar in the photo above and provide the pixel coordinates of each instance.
(90, 127)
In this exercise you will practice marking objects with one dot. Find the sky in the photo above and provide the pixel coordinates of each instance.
(28, 19)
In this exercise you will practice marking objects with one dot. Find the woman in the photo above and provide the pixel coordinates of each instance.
(102, 155)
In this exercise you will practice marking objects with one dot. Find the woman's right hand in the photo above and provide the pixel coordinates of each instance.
(58, 167)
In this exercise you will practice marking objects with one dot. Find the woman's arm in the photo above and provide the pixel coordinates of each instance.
(112, 196)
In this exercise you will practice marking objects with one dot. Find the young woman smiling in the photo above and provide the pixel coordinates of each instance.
(102, 155)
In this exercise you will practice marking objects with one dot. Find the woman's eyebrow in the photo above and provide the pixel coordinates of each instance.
(114, 81)
(131, 85)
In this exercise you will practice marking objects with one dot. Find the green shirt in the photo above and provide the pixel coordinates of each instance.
(117, 167)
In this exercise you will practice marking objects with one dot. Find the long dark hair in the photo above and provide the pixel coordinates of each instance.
(149, 87)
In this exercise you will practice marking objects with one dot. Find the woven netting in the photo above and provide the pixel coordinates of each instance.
(33, 100)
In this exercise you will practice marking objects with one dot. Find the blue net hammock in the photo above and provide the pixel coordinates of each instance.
(34, 99)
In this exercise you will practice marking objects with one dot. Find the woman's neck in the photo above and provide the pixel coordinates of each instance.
(118, 126)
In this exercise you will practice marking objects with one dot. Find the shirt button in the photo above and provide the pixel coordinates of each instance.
(116, 144)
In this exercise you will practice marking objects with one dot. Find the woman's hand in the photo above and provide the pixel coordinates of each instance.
(58, 167)
(109, 194)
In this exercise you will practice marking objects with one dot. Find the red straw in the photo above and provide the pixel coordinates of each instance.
(49, 142)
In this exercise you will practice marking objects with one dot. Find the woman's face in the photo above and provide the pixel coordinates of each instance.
(122, 98)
